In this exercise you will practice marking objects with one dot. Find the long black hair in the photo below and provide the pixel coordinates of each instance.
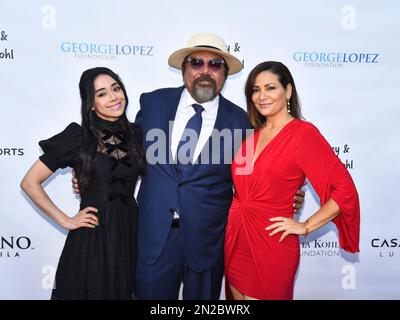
(284, 77)
(91, 134)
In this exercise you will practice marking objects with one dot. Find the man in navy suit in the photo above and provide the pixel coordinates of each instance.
(182, 217)
(183, 206)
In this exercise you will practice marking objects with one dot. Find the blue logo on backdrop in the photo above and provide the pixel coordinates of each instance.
(103, 51)
(320, 59)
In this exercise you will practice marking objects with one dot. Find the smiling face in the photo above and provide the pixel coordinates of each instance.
(204, 83)
(269, 96)
(109, 98)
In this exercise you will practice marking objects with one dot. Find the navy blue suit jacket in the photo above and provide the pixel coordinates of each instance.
(203, 196)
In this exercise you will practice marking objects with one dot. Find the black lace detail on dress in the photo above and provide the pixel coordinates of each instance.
(113, 143)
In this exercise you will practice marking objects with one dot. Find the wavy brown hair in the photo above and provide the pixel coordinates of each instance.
(284, 77)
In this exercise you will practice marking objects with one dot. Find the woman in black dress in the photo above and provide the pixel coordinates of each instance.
(99, 256)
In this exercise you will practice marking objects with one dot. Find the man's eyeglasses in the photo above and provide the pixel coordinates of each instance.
(198, 63)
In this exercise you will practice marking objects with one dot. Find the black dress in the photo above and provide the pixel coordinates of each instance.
(98, 263)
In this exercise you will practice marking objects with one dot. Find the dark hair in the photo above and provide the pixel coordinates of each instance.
(225, 64)
(284, 77)
(91, 135)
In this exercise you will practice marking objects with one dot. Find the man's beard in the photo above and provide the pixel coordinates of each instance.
(203, 93)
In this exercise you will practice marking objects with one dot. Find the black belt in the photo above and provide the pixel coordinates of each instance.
(175, 223)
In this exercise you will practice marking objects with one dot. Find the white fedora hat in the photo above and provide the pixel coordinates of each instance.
(205, 42)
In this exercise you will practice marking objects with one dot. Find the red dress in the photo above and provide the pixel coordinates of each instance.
(256, 264)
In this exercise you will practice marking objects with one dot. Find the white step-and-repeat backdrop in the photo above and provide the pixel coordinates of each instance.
(344, 56)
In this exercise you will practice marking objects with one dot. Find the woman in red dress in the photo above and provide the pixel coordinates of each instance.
(262, 247)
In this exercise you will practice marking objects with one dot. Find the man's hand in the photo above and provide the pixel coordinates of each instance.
(75, 185)
(298, 200)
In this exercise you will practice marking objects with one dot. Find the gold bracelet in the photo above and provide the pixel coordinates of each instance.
(305, 228)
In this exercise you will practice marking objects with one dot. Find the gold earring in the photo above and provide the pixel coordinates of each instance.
(288, 106)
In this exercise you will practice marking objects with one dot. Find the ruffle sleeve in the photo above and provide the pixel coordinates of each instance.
(330, 179)
(62, 150)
